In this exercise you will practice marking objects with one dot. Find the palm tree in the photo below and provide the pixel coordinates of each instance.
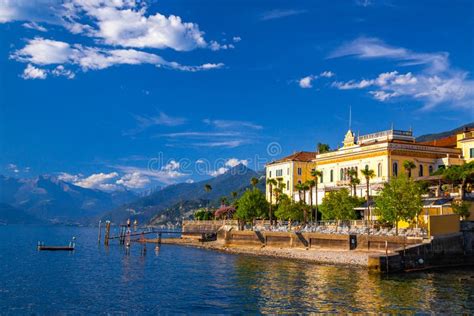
(234, 194)
(316, 174)
(305, 187)
(254, 182)
(208, 188)
(368, 174)
(409, 166)
(299, 188)
(271, 184)
(224, 200)
(311, 183)
(323, 148)
(353, 180)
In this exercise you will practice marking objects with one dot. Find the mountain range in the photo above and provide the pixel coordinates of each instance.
(46, 199)
(176, 201)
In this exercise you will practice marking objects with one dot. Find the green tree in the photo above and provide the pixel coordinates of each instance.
(409, 166)
(323, 148)
(339, 205)
(234, 195)
(290, 210)
(208, 189)
(224, 200)
(254, 182)
(353, 180)
(299, 187)
(462, 209)
(311, 183)
(316, 174)
(272, 183)
(400, 199)
(462, 175)
(203, 214)
(368, 174)
(252, 204)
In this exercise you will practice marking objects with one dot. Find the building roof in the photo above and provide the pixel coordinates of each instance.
(305, 156)
(449, 141)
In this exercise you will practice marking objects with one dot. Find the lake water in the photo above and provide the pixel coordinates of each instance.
(94, 279)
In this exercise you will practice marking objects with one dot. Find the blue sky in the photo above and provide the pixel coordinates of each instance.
(121, 93)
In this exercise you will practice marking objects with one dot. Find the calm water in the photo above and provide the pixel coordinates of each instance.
(186, 280)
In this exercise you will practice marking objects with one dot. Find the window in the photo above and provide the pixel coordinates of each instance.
(366, 167)
(288, 171)
(420, 171)
(269, 174)
(299, 181)
(395, 169)
(342, 174)
(379, 170)
(287, 185)
(430, 170)
(299, 171)
(331, 176)
(471, 152)
(322, 177)
(279, 172)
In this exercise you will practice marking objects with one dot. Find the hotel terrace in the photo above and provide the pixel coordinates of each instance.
(384, 152)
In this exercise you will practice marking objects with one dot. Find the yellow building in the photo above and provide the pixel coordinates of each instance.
(384, 152)
(465, 142)
(291, 170)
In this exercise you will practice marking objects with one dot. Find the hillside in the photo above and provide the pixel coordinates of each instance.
(170, 203)
(430, 137)
(47, 198)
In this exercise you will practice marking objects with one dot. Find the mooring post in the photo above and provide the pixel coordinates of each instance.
(100, 231)
(107, 233)
(386, 256)
(159, 238)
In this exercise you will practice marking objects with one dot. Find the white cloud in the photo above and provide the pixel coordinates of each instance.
(189, 181)
(368, 48)
(67, 177)
(229, 124)
(327, 74)
(134, 180)
(228, 164)
(306, 82)
(228, 143)
(278, 14)
(167, 174)
(60, 71)
(13, 168)
(34, 26)
(31, 72)
(127, 24)
(436, 83)
(42, 51)
(98, 181)
(236, 39)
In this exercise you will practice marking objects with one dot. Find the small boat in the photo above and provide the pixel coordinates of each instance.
(70, 247)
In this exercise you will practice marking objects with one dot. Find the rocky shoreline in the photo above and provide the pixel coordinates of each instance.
(337, 257)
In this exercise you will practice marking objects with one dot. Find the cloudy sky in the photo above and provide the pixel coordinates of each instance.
(127, 93)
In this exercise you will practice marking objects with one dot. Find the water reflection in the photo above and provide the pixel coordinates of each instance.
(292, 287)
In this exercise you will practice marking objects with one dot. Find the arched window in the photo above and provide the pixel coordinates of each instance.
(430, 170)
(420, 171)
(395, 169)
(366, 167)
(322, 177)
(331, 175)
(379, 170)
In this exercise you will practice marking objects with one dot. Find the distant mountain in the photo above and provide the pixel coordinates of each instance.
(430, 137)
(48, 198)
(13, 215)
(172, 202)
